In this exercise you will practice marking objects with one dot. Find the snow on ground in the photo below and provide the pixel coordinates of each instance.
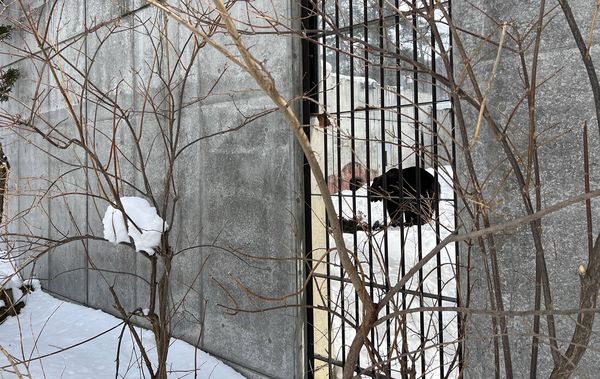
(8, 278)
(144, 225)
(374, 250)
(47, 325)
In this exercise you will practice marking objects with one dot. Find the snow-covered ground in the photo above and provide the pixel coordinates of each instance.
(435, 279)
(64, 340)
(57, 339)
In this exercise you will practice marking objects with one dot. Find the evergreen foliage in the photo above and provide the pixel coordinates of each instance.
(9, 77)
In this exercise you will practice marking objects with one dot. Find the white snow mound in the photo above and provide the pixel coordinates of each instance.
(144, 225)
(9, 278)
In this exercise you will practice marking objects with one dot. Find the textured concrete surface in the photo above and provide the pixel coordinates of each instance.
(564, 104)
(240, 194)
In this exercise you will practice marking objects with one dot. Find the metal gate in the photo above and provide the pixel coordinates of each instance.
(383, 130)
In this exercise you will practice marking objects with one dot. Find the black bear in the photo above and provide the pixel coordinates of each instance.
(387, 188)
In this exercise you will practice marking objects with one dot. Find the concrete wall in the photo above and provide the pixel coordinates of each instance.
(241, 191)
(355, 144)
(564, 104)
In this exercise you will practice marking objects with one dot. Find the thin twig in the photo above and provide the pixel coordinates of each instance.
(488, 88)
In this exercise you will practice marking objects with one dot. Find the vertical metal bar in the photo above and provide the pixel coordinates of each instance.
(367, 114)
(403, 325)
(367, 126)
(455, 201)
(309, 87)
(434, 139)
(357, 311)
(382, 105)
(326, 170)
(338, 142)
(367, 131)
(418, 184)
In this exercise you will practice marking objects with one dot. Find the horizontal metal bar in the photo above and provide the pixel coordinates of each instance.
(391, 18)
(383, 287)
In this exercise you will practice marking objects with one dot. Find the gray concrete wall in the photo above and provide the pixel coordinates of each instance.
(240, 194)
(564, 104)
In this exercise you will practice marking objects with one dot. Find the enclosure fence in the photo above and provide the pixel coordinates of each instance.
(377, 115)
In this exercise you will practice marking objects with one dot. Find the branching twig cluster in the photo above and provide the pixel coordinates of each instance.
(119, 159)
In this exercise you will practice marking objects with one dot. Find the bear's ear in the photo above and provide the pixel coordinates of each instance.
(392, 177)
(380, 183)
(375, 182)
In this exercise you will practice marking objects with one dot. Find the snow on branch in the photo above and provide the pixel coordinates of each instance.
(144, 225)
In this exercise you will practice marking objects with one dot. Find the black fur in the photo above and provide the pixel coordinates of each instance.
(356, 183)
(354, 225)
(387, 188)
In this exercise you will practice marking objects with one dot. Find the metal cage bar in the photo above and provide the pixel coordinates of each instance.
(376, 114)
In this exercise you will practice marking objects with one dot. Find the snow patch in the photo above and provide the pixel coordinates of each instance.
(143, 225)
(47, 325)
(9, 278)
(402, 251)
(33, 283)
